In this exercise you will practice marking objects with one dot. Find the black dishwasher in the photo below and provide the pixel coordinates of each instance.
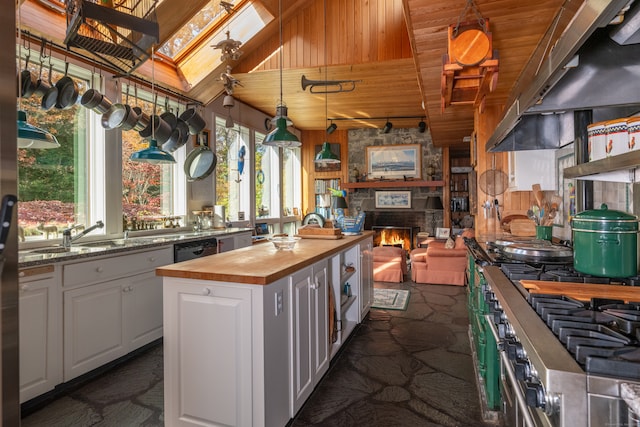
(195, 249)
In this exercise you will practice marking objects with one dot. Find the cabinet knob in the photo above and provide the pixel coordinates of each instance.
(21, 274)
(24, 288)
(152, 259)
(99, 269)
(206, 291)
(315, 284)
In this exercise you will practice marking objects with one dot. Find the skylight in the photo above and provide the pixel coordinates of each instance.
(208, 16)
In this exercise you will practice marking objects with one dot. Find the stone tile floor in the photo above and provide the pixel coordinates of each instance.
(401, 368)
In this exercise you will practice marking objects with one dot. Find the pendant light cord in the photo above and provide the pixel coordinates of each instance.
(326, 66)
(19, 56)
(281, 50)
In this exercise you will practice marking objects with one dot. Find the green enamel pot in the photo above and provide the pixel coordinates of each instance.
(605, 243)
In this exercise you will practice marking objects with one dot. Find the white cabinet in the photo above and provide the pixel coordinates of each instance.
(226, 353)
(208, 369)
(110, 318)
(235, 241)
(39, 331)
(366, 277)
(309, 331)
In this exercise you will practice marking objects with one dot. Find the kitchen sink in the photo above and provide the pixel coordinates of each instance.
(55, 250)
(115, 243)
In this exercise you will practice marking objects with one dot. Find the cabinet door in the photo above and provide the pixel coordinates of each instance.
(302, 365)
(142, 309)
(320, 310)
(226, 244)
(40, 340)
(366, 277)
(310, 331)
(242, 240)
(207, 367)
(93, 327)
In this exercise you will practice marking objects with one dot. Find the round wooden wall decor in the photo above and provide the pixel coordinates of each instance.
(471, 47)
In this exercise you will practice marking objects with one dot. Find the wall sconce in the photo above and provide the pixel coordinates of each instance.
(332, 127)
(422, 126)
(387, 127)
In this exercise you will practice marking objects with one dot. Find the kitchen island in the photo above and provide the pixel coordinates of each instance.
(250, 333)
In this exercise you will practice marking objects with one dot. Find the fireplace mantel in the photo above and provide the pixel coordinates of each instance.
(391, 184)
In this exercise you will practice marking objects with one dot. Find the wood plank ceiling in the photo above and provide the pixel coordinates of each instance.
(395, 47)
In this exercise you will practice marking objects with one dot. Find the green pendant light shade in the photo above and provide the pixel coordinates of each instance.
(30, 136)
(281, 136)
(326, 156)
(152, 154)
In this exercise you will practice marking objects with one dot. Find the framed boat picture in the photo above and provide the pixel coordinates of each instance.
(394, 161)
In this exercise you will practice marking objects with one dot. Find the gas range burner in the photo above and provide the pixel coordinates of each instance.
(521, 271)
(568, 274)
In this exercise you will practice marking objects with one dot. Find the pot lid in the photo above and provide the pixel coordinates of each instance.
(539, 252)
(508, 241)
(604, 213)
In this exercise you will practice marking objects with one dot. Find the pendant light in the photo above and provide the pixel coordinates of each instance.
(281, 136)
(30, 136)
(152, 154)
(326, 156)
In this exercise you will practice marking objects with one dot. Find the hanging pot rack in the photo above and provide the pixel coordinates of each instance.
(118, 33)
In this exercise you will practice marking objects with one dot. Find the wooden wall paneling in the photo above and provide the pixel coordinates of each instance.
(446, 193)
(311, 138)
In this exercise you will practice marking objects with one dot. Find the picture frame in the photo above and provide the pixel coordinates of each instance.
(393, 199)
(394, 161)
(442, 233)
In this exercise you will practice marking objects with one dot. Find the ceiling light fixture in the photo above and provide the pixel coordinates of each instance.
(387, 127)
(30, 136)
(326, 156)
(281, 136)
(152, 154)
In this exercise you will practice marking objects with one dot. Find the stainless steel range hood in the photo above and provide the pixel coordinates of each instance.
(581, 71)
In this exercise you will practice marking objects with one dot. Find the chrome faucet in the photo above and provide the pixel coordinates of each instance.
(66, 234)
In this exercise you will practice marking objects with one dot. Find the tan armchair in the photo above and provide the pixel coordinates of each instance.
(389, 264)
(438, 265)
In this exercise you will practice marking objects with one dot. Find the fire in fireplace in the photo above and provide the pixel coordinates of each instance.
(395, 236)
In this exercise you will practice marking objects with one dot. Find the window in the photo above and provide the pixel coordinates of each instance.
(267, 180)
(54, 185)
(233, 182)
(291, 188)
(152, 195)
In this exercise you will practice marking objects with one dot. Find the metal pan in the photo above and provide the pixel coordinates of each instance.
(51, 96)
(200, 162)
(67, 91)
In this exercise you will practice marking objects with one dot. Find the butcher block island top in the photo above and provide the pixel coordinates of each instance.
(259, 264)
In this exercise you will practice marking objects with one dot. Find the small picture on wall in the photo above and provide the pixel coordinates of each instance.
(327, 167)
(393, 199)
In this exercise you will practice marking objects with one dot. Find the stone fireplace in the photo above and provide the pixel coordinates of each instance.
(395, 227)
(402, 237)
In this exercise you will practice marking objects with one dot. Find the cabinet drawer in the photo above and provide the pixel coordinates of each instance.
(87, 272)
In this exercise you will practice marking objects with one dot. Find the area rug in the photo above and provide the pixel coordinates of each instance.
(390, 299)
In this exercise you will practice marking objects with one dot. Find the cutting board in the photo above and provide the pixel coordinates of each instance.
(523, 227)
(583, 291)
(319, 236)
(315, 230)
